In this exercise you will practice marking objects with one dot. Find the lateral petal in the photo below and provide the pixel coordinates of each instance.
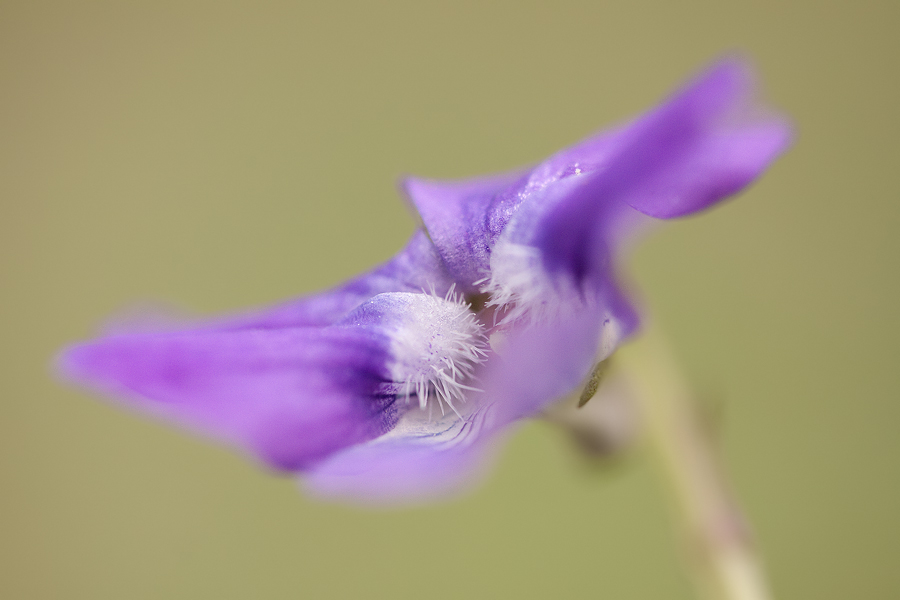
(415, 268)
(289, 396)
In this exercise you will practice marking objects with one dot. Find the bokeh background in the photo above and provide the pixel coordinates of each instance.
(218, 155)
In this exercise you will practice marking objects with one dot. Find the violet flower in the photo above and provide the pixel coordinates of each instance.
(394, 385)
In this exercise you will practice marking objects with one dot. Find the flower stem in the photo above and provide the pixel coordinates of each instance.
(720, 551)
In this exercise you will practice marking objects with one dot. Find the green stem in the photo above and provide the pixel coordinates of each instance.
(724, 563)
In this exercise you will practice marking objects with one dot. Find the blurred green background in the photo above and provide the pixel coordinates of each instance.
(222, 155)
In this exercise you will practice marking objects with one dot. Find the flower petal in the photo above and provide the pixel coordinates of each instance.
(289, 396)
(425, 457)
(463, 219)
(698, 148)
(544, 362)
(293, 395)
(702, 145)
(416, 268)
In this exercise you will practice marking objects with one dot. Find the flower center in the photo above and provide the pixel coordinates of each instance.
(436, 346)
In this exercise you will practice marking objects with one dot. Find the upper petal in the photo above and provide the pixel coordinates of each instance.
(463, 219)
(705, 143)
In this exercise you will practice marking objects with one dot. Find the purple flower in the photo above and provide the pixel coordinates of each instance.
(394, 385)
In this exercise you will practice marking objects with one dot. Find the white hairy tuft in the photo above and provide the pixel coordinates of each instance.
(436, 348)
(521, 289)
